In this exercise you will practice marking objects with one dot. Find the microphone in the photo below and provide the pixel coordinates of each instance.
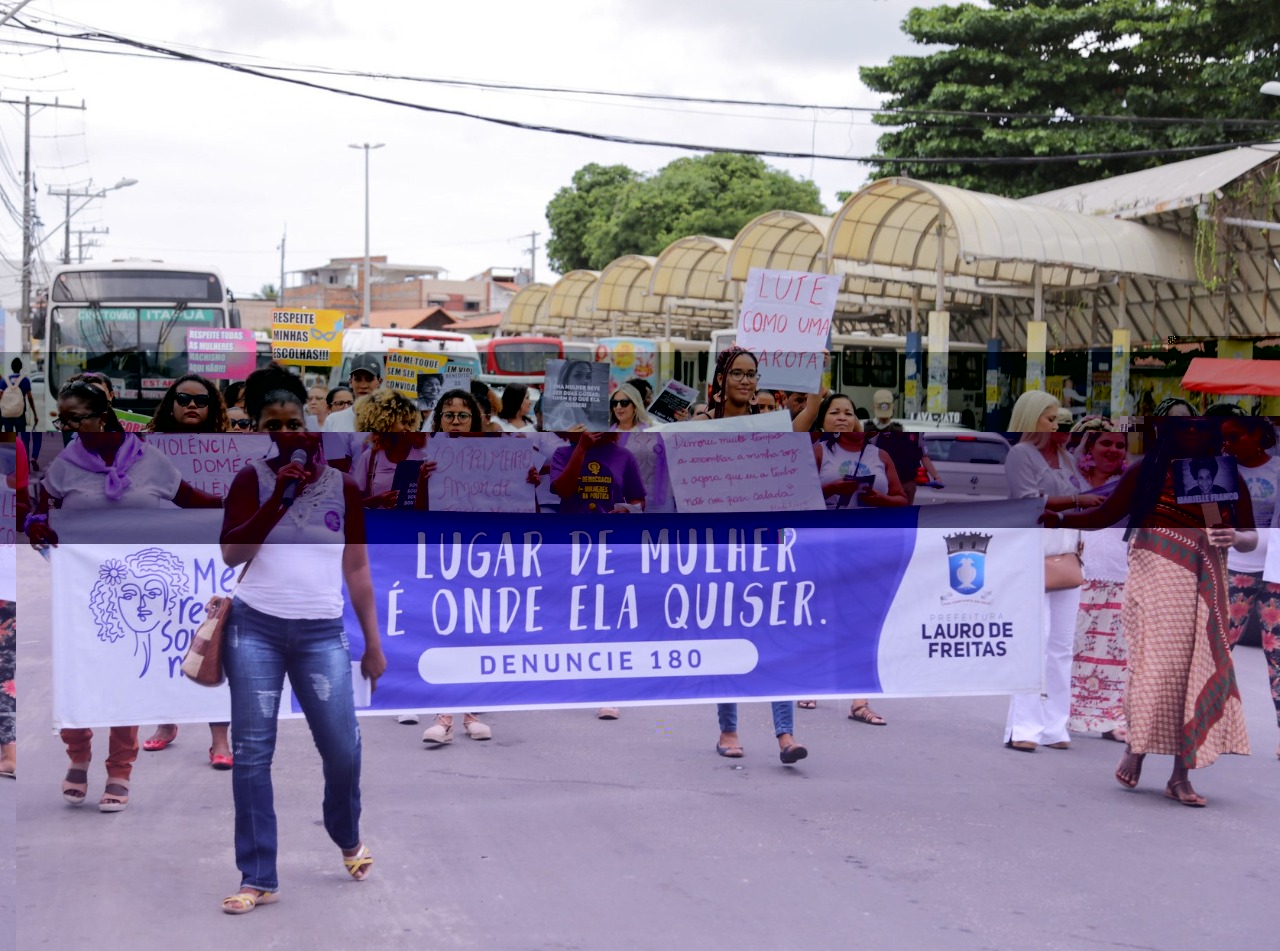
(299, 458)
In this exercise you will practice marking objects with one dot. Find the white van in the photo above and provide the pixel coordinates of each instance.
(459, 348)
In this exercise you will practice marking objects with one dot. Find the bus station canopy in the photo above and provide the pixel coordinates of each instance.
(895, 226)
(694, 268)
(570, 301)
(623, 287)
(527, 310)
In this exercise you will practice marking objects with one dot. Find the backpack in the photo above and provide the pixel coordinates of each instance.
(13, 402)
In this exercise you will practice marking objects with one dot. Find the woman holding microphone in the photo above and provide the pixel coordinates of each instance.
(298, 527)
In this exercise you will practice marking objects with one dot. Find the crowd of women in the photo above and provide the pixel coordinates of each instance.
(1139, 619)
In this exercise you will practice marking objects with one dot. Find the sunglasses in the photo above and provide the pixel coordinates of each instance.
(616, 403)
(186, 399)
(240, 423)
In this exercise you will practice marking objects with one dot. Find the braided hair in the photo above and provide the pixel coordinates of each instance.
(716, 402)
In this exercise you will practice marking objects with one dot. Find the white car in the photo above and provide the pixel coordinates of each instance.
(970, 466)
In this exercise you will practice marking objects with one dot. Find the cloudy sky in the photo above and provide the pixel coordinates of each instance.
(227, 163)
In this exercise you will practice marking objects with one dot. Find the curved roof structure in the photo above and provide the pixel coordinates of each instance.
(527, 310)
(693, 267)
(623, 287)
(890, 230)
(783, 240)
(569, 302)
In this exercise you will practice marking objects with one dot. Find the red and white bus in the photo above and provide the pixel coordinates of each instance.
(524, 359)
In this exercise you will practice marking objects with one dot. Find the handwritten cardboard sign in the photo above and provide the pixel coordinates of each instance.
(480, 473)
(786, 322)
(736, 472)
(209, 461)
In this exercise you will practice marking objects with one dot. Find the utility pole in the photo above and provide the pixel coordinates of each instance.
(364, 313)
(28, 200)
(533, 255)
(280, 290)
(81, 243)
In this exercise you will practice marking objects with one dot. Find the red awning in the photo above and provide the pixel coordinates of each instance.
(1233, 377)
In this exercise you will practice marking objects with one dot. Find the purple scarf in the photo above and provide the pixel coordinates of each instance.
(130, 451)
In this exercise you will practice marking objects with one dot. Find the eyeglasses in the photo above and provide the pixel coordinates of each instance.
(617, 403)
(240, 423)
(186, 399)
(73, 422)
(739, 375)
(339, 404)
(455, 417)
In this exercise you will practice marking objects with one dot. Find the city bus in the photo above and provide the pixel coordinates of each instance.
(522, 359)
(129, 320)
(862, 363)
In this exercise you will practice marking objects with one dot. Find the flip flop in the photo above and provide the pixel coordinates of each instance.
(1137, 770)
(732, 752)
(793, 754)
(1196, 800)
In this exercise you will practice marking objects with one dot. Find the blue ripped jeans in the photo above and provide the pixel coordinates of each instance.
(783, 717)
(259, 650)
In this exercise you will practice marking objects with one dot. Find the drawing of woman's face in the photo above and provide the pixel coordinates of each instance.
(143, 603)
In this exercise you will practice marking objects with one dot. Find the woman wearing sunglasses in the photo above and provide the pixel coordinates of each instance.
(626, 410)
(104, 467)
(192, 405)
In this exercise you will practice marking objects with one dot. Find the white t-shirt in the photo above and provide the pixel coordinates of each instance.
(1263, 483)
(840, 463)
(153, 482)
(297, 573)
(384, 470)
(341, 421)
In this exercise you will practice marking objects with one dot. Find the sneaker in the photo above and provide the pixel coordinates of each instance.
(408, 719)
(477, 730)
(607, 713)
(439, 732)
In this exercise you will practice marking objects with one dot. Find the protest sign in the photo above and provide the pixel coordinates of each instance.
(672, 399)
(418, 376)
(229, 354)
(628, 358)
(576, 394)
(132, 422)
(307, 337)
(480, 474)
(1205, 479)
(733, 472)
(786, 322)
(753, 423)
(209, 461)
(491, 611)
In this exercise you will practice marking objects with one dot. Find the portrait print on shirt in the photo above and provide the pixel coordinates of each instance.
(1205, 479)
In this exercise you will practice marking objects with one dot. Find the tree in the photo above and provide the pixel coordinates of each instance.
(611, 211)
(1070, 60)
(268, 292)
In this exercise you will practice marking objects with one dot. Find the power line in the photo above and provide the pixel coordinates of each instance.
(655, 143)
(152, 51)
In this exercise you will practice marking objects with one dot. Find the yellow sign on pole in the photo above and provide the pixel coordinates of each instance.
(307, 337)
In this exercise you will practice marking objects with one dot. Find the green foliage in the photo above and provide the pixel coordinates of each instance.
(611, 211)
(1069, 59)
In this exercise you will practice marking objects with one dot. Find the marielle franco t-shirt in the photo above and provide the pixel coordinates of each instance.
(609, 478)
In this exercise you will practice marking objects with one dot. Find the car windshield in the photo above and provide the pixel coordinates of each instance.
(962, 449)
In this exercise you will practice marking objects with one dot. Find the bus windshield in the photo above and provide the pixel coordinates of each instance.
(142, 349)
(522, 358)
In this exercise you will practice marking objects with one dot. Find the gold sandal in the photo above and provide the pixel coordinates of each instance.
(247, 899)
(359, 865)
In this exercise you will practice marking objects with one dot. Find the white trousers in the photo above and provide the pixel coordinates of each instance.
(1042, 718)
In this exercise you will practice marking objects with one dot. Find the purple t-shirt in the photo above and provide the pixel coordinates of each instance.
(609, 477)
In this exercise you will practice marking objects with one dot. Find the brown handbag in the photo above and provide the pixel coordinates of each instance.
(203, 662)
(1063, 572)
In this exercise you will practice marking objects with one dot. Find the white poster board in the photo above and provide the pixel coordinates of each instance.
(786, 322)
(480, 473)
(736, 472)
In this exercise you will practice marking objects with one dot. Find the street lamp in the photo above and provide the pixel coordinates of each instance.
(1271, 88)
(364, 313)
(88, 196)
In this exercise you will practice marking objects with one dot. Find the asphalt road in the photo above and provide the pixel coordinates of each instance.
(565, 832)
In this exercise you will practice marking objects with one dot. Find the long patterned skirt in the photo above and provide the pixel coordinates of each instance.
(1253, 599)
(1181, 698)
(1099, 666)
